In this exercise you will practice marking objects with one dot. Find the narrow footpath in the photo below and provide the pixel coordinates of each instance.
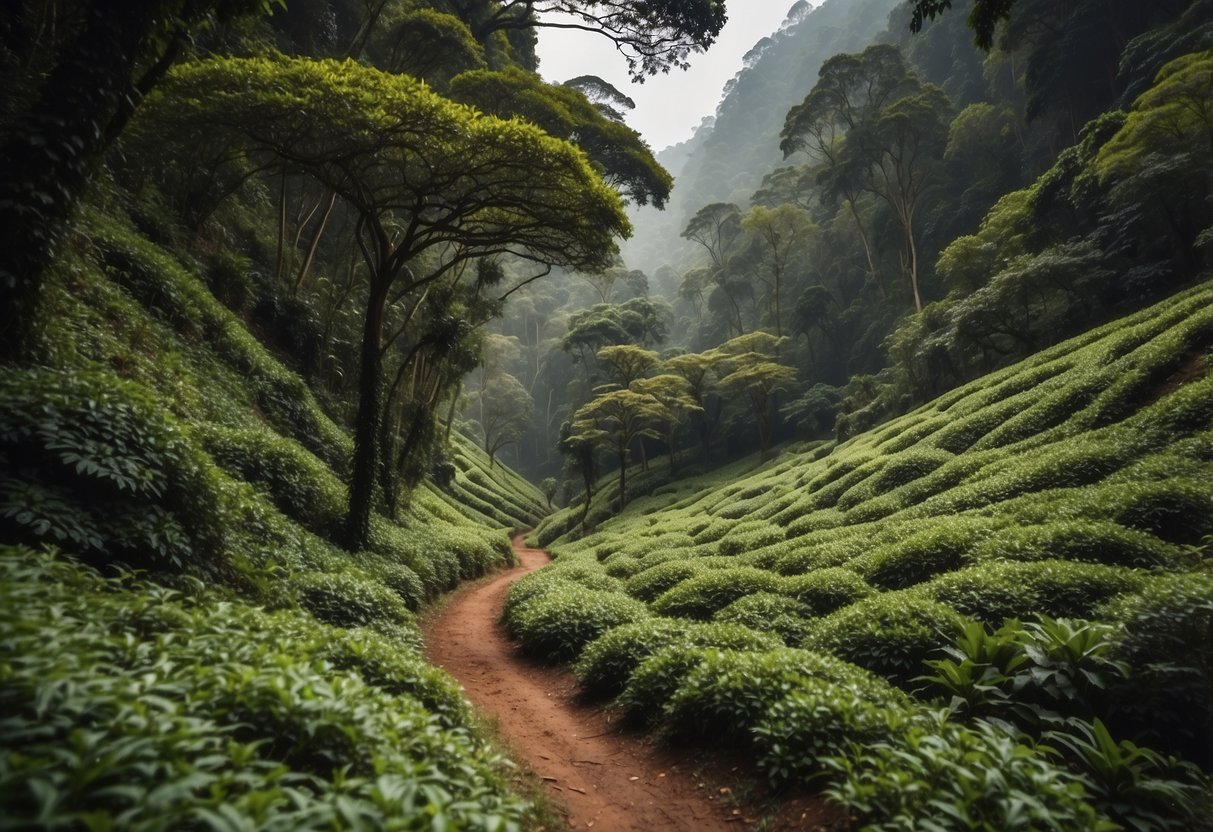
(608, 780)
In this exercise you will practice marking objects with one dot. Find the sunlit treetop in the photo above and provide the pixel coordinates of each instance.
(387, 144)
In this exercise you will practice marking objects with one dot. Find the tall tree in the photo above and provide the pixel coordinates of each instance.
(505, 413)
(423, 175)
(614, 420)
(778, 235)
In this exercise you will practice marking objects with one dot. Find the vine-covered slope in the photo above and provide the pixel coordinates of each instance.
(1013, 577)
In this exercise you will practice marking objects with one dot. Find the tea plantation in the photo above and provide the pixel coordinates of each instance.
(995, 612)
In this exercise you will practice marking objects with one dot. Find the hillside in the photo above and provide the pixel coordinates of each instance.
(1024, 560)
(176, 616)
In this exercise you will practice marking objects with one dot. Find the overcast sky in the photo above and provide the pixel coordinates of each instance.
(668, 107)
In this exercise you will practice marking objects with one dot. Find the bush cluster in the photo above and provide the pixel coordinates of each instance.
(137, 707)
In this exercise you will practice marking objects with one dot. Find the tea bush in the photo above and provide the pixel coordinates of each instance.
(890, 634)
(345, 599)
(655, 580)
(93, 462)
(944, 548)
(1167, 642)
(825, 590)
(301, 486)
(990, 592)
(962, 779)
(820, 719)
(768, 612)
(559, 623)
(1084, 541)
(726, 693)
(657, 678)
(136, 707)
(700, 596)
(556, 577)
(608, 661)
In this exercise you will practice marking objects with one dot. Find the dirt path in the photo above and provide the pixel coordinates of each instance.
(609, 781)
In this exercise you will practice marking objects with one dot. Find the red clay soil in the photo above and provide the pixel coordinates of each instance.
(608, 780)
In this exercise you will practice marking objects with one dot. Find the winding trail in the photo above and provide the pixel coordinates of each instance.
(608, 780)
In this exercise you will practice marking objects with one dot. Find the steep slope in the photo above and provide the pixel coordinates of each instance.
(278, 683)
(1075, 484)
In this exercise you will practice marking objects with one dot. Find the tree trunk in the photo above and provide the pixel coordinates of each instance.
(366, 422)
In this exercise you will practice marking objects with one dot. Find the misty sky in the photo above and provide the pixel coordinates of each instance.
(668, 107)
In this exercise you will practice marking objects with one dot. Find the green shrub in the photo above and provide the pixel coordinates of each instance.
(1167, 642)
(607, 662)
(399, 578)
(991, 592)
(825, 590)
(890, 634)
(655, 580)
(1086, 541)
(95, 463)
(819, 719)
(726, 693)
(557, 576)
(1175, 510)
(807, 557)
(768, 612)
(559, 623)
(136, 707)
(301, 486)
(656, 679)
(347, 600)
(897, 470)
(962, 779)
(700, 596)
(746, 537)
(943, 548)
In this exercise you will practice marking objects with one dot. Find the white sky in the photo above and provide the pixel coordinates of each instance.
(668, 107)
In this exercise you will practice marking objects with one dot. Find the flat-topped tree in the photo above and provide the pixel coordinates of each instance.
(423, 174)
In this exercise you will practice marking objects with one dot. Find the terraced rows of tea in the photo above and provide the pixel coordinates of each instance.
(997, 609)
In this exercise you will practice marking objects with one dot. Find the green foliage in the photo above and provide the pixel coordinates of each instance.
(137, 707)
(768, 612)
(945, 547)
(890, 634)
(990, 592)
(823, 591)
(1136, 787)
(653, 581)
(559, 623)
(726, 693)
(1083, 541)
(701, 596)
(818, 720)
(92, 462)
(349, 600)
(607, 663)
(962, 778)
(301, 486)
(1167, 642)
